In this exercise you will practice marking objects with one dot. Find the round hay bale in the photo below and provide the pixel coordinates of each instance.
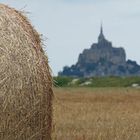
(25, 80)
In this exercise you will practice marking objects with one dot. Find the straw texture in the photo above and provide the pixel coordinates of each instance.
(25, 80)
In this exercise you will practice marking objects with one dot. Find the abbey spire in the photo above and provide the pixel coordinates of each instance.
(101, 35)
(101, 29)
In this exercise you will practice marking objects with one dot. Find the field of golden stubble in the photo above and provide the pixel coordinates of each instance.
(96, 114)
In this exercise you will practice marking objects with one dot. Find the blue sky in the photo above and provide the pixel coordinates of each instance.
(73, 25)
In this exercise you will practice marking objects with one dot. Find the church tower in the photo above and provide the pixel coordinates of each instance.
(101, 35)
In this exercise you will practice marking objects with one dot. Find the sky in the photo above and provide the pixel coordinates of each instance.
(70, 26)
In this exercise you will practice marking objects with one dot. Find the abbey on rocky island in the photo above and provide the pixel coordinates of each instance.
(102, 59)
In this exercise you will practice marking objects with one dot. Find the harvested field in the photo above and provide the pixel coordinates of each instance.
(96, 114)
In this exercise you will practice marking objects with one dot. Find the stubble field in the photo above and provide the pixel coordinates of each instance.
(96, 114)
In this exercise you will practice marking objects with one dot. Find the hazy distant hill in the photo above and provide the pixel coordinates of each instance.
(102, 59)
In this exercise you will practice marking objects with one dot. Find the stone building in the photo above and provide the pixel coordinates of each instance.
(102, 59)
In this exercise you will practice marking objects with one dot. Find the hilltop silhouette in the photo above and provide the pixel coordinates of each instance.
(102, 59)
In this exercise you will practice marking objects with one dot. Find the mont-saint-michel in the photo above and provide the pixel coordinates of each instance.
(102, 59)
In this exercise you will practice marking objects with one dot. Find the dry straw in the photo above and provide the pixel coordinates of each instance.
(25, 80)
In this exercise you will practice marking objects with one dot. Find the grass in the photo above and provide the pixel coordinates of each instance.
(96, 114)
(111, 81)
